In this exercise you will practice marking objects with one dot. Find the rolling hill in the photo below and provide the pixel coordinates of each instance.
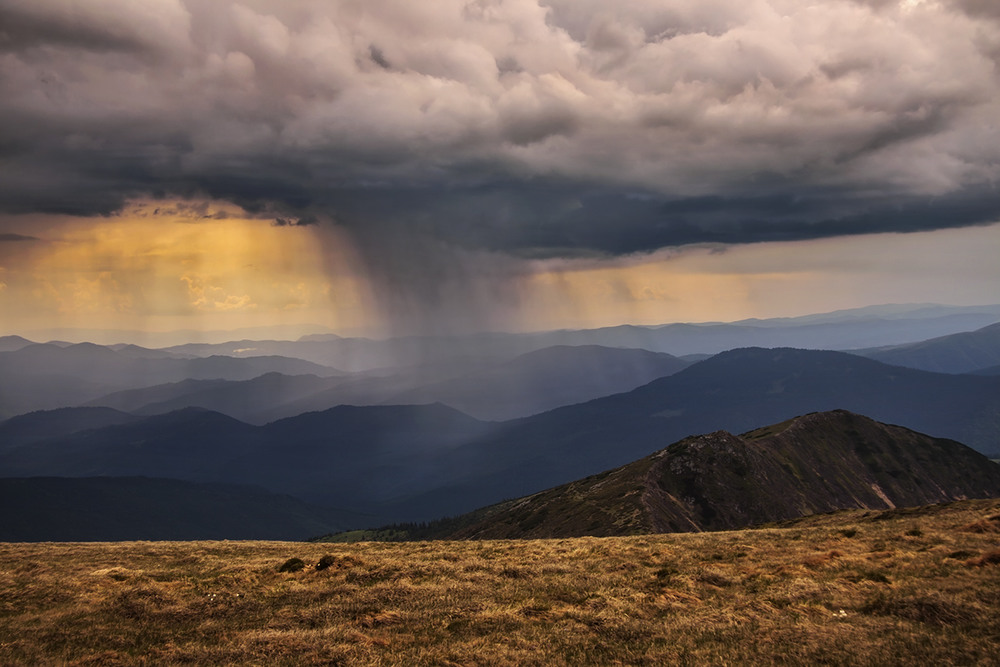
(545, 379)
(528, 384)
(840, 330)
(255, 401)
(48, 376)
(956, 353)
(734, 391)
(61, 422)
(349, 457)
(406, 463)
(98, 509)
(812, 464)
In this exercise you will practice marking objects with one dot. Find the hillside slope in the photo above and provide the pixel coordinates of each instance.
(98, 509)
(734, 391)
(812, 464)
(956, 353)
(545, 379)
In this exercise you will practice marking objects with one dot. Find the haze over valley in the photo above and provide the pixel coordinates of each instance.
(456, 422)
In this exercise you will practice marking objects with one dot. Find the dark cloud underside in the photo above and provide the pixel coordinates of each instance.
(554, 129)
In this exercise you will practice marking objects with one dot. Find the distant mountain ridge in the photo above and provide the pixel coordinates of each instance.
(420, 462)
(47, 376)
(734, 391)
(965, 352)
(61, 422)
(841, 330)
(528, 384)
(47, 509)
(718, 481)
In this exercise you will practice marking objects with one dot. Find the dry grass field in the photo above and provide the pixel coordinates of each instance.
(853, 588)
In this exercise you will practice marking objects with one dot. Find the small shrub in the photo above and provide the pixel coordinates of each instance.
(870, 575)
(292, 565)
(849, 532)
(914, 532)
(325, 562)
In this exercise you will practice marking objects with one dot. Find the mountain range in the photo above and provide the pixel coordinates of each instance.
(965, 352)
(421, 462)
(811, 464)
(416, 428)
(101, 509)
(528, 384)
(47, 376)
(841, 330)
(735, 391)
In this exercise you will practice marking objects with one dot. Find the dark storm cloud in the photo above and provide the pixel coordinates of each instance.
(8, 237)
(535, 129)
(292, 222)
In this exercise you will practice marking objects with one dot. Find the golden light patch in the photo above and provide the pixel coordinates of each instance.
(165, 265)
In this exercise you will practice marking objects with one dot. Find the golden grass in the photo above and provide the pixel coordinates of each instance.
(853, 588)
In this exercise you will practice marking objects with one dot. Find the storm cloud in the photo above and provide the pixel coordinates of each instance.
(559, 128)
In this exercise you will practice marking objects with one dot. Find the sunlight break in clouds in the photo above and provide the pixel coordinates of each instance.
(174, 264)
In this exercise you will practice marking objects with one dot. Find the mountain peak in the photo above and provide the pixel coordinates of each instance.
(815, 463)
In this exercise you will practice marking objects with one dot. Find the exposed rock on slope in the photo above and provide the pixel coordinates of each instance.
(816, 463)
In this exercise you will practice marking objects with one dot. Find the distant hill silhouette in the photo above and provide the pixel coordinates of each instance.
(61, 422)
(13, 343)
(427, 461)
(525, 385)
(140, 508)
(546, 379)
(734, 391)
(350, 457)
(957, 353)
(254, 401)
(811, 464)
(47, 376)
(840, 330)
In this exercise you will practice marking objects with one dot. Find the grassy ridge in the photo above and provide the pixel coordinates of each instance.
(857, 587)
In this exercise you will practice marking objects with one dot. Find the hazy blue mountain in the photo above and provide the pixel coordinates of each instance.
(353, 457)
(812, 464)
(956, 353)
(142, 508)
(187, 444)
(134, 400)
(991, 370)
(733, 391)
(255, 401)
(61, 422)
(423, 462)
(137, 352)
(46, 376)
(841, 330)
(357, 355)
(528, 384)
(162, 339)
(13, 343)
(545, 379)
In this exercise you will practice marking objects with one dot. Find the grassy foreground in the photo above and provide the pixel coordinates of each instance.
(852, 588)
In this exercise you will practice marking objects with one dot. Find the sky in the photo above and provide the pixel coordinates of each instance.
(396, 167)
